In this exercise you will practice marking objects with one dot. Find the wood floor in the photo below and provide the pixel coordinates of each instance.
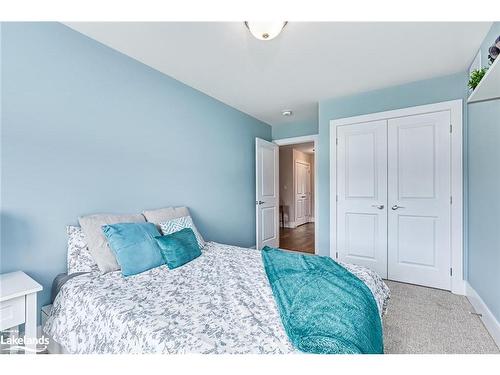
(300, 238)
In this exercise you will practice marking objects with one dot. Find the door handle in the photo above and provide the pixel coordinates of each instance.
(395, 207)
(379, 206)
(259, 202)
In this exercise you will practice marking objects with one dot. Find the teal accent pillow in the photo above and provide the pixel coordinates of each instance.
(134, 246)
(179, 248)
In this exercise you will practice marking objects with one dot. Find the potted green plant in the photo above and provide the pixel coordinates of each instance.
(476, 76)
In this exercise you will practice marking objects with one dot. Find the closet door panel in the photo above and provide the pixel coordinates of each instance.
(419, 198)
(362, 195)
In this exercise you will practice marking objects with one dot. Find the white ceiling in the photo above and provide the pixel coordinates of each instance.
(308, 62)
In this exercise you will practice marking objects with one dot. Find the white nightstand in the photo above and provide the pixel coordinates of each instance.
(18, 304)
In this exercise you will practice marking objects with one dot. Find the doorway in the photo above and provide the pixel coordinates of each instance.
(270, 219)
(296, 192)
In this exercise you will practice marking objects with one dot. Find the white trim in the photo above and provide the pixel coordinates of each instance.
(489, 320)
(305, 139)
(455, 108)
(457, 221)
(296, 140)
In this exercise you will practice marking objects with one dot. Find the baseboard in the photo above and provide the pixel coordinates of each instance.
(489, 320)
(311, 220)
(459, 288)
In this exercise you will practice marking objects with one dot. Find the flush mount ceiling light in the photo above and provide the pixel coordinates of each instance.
(287, 113)
(265, 30)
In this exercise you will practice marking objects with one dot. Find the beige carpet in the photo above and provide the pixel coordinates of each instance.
(426, 320)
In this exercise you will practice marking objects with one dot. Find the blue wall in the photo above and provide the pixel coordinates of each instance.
(484, 203)
(407, 95)
(86, 129)
(295, 129)
(484, 189)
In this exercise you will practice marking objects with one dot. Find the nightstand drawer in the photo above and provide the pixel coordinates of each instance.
(12, 312)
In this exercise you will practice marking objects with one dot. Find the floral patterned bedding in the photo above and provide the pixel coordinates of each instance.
(220, 302)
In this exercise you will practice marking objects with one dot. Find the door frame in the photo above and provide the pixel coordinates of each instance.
(455, 107)
(304, 139)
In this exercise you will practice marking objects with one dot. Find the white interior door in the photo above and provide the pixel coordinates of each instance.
(362, 195)
(302, 192)
(267, 193)
(419, 247)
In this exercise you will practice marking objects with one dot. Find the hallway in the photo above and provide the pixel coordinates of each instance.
(300, 238)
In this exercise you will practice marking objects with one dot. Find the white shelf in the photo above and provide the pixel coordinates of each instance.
(489, 86)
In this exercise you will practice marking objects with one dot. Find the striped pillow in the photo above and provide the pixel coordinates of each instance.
(175, 225)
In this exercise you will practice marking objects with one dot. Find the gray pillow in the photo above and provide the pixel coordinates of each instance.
(161, 215)
(97, 243)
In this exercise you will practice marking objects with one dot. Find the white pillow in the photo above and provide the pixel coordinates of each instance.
(162, 215)
(98, 243)
(175, 225)
(79, 258)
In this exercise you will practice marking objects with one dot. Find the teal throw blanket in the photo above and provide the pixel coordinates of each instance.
(325, 309)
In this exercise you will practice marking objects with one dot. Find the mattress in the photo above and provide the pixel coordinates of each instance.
(221, 302)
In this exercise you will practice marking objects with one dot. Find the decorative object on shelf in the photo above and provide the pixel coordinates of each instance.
(493, 53)
(494, 50)
(476, 63)
(484, 81)
(476, 77)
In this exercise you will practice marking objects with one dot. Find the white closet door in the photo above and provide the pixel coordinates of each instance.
(362, 195)
(419, 198)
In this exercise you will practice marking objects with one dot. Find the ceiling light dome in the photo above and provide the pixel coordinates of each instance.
(265, 30)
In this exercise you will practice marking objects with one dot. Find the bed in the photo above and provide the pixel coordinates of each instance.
(221, 302)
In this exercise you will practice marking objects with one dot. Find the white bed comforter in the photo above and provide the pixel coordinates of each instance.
(220, 302)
